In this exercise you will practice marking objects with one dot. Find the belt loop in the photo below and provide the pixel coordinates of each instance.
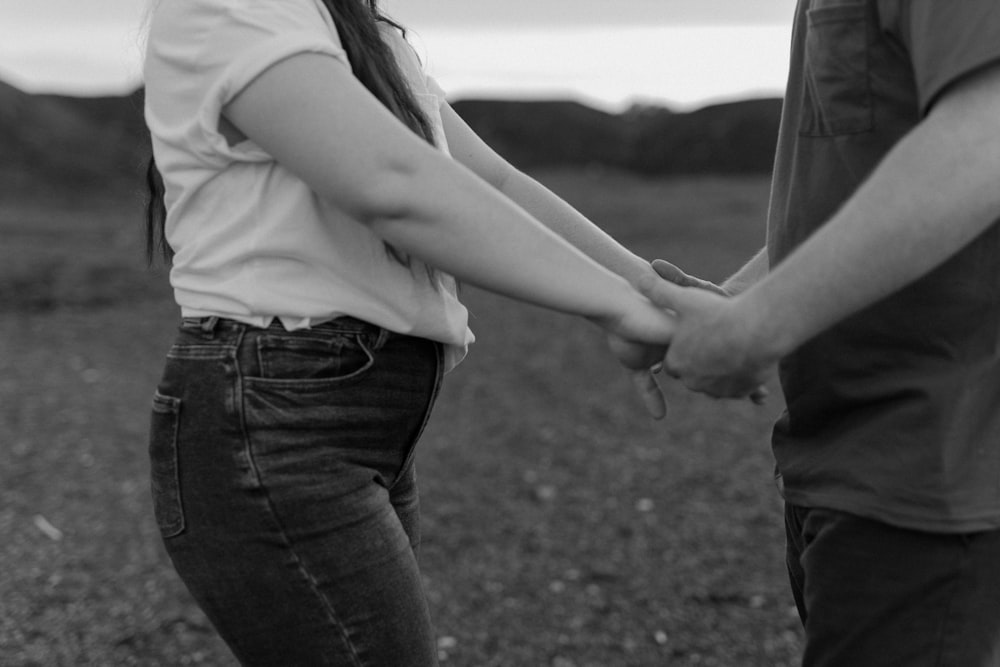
(380, 338)
(208, 324)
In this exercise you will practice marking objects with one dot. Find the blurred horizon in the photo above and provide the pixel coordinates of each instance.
(679, 54)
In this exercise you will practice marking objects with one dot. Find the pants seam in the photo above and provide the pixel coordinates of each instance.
(300, 565)
(410, 455)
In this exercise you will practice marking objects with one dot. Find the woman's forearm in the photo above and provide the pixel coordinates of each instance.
(541, 203)
(352, 152)
(455, 221)
(559, 216)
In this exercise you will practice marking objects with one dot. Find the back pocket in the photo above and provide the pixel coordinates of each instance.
(837, 95)
(164, 465)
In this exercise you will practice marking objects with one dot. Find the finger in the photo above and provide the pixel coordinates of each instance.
(649, 392)
(722, 388)
(670, 370)
(668, 271)
(664, 293)
(633, 355)
(760, 395)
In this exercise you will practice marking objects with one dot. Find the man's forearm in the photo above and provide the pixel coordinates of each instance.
(932, 195)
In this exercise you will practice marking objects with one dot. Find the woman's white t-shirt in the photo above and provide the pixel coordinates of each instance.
(252, 242)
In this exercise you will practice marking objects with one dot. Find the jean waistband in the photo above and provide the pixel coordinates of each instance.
(215, 324)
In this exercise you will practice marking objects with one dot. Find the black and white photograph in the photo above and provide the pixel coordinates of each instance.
(500, 333)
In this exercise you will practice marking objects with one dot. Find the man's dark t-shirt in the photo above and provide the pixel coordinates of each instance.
(894, 413)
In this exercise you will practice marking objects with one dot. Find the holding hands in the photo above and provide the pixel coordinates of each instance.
(638, 337)
(718, 347)
(708, 337)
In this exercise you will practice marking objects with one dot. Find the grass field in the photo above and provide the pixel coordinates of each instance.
(562, 527)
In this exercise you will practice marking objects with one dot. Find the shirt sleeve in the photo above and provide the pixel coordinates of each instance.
(219, 47)
(947, 40)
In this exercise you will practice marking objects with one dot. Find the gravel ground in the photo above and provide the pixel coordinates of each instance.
(561, 527)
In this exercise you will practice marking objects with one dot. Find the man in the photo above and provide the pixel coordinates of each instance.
(883, 307)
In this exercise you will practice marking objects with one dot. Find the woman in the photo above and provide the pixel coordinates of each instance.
(315, 219)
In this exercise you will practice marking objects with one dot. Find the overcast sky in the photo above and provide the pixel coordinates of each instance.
(491, 12)
(522, 46)
(591, 12)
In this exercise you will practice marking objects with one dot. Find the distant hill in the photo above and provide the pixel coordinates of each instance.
(738, 137)
(52, 141)
(547, 133)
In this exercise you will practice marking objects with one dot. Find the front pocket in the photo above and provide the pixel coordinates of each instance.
(308, 361)
(165, 465)
(837, 95)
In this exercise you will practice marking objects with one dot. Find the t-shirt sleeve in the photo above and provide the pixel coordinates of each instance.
(947, 40)
(232, 42)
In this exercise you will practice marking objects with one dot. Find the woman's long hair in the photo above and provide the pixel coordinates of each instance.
(374, 65)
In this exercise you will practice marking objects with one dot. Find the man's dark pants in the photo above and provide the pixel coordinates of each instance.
(873, 595)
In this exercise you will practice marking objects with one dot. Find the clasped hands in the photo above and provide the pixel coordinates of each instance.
(715, 348)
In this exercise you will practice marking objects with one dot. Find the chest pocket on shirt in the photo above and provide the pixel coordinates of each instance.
(837, 94)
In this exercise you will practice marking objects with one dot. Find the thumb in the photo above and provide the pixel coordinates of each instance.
(650, 393)
(668, 271)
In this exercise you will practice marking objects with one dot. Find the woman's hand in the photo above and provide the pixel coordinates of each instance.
(643, 362)
(639, 338)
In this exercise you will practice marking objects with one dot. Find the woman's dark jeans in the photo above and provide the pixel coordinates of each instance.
(284, 488)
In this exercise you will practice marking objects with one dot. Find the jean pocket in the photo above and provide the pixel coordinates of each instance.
(164, 465)
(306, 360)
(837, 95)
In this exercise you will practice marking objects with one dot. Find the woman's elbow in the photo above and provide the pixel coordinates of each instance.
(389, 191)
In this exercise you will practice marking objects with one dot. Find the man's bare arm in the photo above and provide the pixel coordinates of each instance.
(934, 193)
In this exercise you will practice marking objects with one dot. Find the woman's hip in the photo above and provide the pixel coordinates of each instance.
(297, 416)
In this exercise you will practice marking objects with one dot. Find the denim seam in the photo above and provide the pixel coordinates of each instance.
(255, 474)
(949, 620)
(410, 455)
(197, 353)
(168, 406)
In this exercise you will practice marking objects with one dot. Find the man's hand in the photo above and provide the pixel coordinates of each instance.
(714, 349)
(668, 271)
(675, 275)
